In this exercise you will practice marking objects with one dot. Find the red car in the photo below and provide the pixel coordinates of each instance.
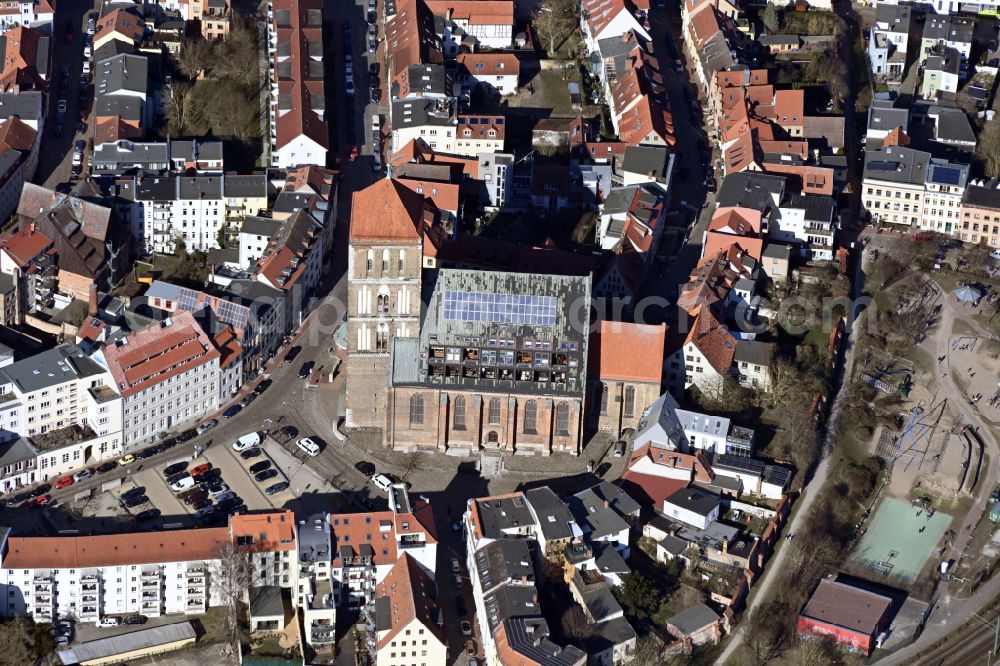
(63, 482)
(354, 153)
(41, 500)
(201, 469)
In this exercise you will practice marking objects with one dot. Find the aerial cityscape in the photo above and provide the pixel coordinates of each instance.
(499, 332)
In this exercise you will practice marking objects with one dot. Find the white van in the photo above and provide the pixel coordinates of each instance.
(307, 445)
(382, 482)
(247, 441)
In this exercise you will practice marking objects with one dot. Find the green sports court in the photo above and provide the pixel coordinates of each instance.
(894, 546)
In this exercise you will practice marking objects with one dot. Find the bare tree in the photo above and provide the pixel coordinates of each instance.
(576, 624)
(764, 633)
(232, 577)
(409, 461)
(787, 383)
(195, 56)
(17, 641)
(554, 20)
(988, 148)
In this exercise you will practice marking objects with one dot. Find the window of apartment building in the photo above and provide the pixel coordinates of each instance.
(530, 417)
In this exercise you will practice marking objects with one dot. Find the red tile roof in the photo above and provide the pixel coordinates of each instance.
(79, 552)
(23, 246)
(388, 209)
(489, 64)
(704, 24)
(16, 134)
(600, 13)
(409, 590)
(444, 196)
(119, 22)
(377, 529)
(410, 38)
(713, 340)
(20, 67)
(154, 354)
(789, 107)
(811, 179)
(417, 150)
(650, 490)
(303, 84)
(475, 12)
(620, 351)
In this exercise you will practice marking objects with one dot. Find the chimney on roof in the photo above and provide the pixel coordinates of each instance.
(607, 504)
(92, 300)
(725, 545)
(31, 228)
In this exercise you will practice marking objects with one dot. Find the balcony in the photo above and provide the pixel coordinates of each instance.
(197, 571)
(41, 579)
(322, 632)
(196, 581)
(151, 583)
(89, 599)
(88, 587)
(43, 600)
(88, 612)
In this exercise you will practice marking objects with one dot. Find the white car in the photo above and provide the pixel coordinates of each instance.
(308, 446)
(87, 51)
(107, 622)
(91, 26)
(455, 566)
(349, 86)
(77, 159)
(382, 482)
(182, 485)
(86, 67)
(247, 441)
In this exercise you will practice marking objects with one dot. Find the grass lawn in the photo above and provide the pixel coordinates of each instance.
(214, 624)
(554, 89)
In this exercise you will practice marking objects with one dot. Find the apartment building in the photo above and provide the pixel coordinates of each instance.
(31, 13)
(26, 256)
(892, 189)
(480, 134)
(430, 120)
(942, 72)
(299, 133)
(407, 631)
(151, 573)
(473, 23)
(201, 155)
(806, 220)
(168, 375)
(193, 210)
(980, 211)
(315, 589)
(19, 145)
(493, 73)
(943, 192)
(664, 425)
(952, 32)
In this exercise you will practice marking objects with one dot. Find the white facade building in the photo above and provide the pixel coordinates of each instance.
(30, 13)
(168, 375)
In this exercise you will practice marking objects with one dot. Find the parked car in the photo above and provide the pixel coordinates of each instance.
(247, 441)
(171, 480)
(376, 95)
(308, 446)
(260, 477)
(135, 501)
(106, 622)
(148, 514)
(195, 497)
(263, 386)
(134, 492)
(466, 628)
(40, 490)
(84, 474)
(61, 106)
(201, 504)
(247, 399)
(455, 566)
(176, 468)
(349, 86)
(41, 500)
(146, 453)
(86, 67)
(232, 411)
(260, 466)
(373, 70)
(470, 648)
(382, 482)
(292, 353)
(306, 369)
(126, 460)
(290, 431)
(365, 467)
(226, 504)
(250, 453)
(201, 469)
(63, 482)
(225, 497)
(106, 467)
(276, 488)
(218, 490)
(620, 446)
(182, 484)
(204, 512)
(206, 426)
(135, 619)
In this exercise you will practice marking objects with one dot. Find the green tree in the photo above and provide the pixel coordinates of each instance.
(639, 596)
(770, 18)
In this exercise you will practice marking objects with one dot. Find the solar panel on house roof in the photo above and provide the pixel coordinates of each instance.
(473, 121)
(947, 175)
(498, 121)
(882, 166)
(500, 308)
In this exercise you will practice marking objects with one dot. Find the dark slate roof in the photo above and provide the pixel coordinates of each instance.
(694, 500)
(554, 519)
(251, 185)
(953, 126)
(774, 474)
(646, 160)
(497, 515)
(266, 601)
(126, 106)
(897, 164)
(51, 367)
(200, 187)
(693, 618)
(749, 190)
(25, 105)
(754, 352)
(124, 72)
(817, 208)
(260, 226)
(986, 195)
(949, 29)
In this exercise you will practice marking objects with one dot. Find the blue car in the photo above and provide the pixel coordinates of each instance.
(232, 411)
